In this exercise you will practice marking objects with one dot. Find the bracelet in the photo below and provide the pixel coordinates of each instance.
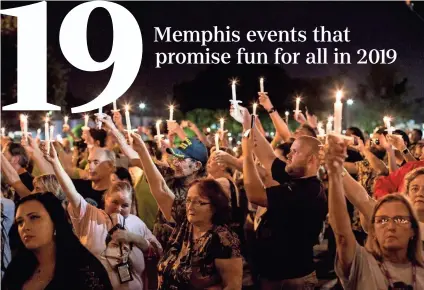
(272, 110)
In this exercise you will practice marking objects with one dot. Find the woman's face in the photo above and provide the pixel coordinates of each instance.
(38, 186)
(118, 202)
(416, 194)
(199, 210)
(393, 236)
(35, 226)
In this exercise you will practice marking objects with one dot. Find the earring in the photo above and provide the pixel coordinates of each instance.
(54, 234)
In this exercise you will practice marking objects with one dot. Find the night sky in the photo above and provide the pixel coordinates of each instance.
(380, 25)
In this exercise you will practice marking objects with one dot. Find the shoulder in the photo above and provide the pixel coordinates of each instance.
(225, 236)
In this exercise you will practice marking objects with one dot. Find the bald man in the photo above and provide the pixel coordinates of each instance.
(101, 165)
(296, 210)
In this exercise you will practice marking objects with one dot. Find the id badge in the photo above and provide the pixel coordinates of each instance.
(124, 272)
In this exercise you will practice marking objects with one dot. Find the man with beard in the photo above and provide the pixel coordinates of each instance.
(296, 210)
(187, 163)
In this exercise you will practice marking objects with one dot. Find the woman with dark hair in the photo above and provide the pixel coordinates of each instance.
(203, 252)
(49, 255)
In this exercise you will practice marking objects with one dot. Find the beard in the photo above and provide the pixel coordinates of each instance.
(380, 154)
(295, 171)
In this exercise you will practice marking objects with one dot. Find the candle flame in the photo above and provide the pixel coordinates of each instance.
(339, 95)
(234, 81)
(330, 119)
(222, 120)
(387, 119)
(159, 121)
(319, 124)
(287, 113)
(127, 107)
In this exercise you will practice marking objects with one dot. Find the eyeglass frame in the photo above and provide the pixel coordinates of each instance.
(407, 218)
(196, 202)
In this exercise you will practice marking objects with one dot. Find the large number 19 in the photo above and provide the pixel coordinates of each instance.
(126, 53)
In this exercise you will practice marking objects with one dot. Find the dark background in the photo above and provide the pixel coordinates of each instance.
(373, 25)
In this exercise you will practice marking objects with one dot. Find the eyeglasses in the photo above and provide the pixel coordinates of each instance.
(375, 141)
(196, 202)
(398, 220)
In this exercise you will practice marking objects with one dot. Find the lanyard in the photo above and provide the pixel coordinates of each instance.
(123, 225)
(389, 277)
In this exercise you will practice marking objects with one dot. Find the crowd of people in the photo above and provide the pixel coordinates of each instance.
(117, 209)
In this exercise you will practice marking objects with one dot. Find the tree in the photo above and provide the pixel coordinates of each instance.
(384, 92)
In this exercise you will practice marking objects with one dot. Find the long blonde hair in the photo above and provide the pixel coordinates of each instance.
(415, 250)
(50, 184)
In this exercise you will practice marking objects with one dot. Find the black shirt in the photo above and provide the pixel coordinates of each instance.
(27, 179)
(296, 211)
(92, 196)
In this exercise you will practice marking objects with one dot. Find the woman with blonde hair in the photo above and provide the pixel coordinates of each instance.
(392, 257)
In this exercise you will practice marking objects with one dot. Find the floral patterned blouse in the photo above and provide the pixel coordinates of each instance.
(189, 264)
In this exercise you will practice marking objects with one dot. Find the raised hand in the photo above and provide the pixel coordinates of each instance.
(335, 155)
(396, 141)
(264, 101)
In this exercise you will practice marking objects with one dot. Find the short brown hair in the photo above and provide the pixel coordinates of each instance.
(209, 188)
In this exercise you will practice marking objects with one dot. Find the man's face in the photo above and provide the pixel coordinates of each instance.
(297, 160)
(182, 166)
(99, 166)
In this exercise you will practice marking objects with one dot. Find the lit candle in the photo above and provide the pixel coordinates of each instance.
(158, 122)
(255, 105)
(66, 118)
(216, 142)
(287, 116)
(320, 128)
(99, 123)
(38, 133)
(46, 134)
(115, 109)
(233, 90)
(338, 109)
(51, 133)
(222, 124)
(24, 124)
(171, 113)
(387, 122)
(329, 127)
(297, 111)
(261, 84)
(3, 132)
(86, 120)
(128, 120)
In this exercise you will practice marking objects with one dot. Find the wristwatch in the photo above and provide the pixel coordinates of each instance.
(272, 110)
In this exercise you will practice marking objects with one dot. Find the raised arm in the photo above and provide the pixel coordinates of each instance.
(37, 155)
(160, 190)
(278, 122)
(65, 181)
(202, 137)
(338, 215)
(255, 190)
(12, 177)
(399, 144)
(126, 149)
